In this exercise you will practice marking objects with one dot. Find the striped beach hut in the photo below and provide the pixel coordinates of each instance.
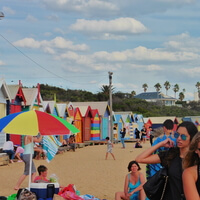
(95, 125)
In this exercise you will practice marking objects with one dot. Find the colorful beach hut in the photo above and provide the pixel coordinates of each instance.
(104, 112)
(78, 123)
(118, 124)
(95, 125)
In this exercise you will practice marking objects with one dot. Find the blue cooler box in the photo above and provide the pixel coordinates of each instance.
(44, 190)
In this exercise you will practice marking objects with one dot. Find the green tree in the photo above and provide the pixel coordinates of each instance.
(133, 93)
(198, 88)
(176, 89)
(145, 86)
(158, 87)
(181, 96)
(167, 86)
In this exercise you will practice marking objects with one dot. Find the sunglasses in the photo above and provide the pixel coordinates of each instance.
(183, 137)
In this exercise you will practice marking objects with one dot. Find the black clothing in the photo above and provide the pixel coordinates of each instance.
(198, 179)
(172, 159)
(123, 133)
(137, 134)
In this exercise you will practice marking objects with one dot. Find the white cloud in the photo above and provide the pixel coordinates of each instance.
(2, 63)
(31, 18)
(154, 68)
(120, 26)
(8, 10)
(56, 43)
(193, 72)
(87, 7)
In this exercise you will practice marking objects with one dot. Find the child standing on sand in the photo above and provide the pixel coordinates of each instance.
(109, 148)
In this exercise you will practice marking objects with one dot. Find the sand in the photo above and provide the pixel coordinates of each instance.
(86, 168)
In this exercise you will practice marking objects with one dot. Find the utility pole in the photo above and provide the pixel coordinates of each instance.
(110, 101)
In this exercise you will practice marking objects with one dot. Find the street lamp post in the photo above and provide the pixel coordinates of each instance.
(110, 99)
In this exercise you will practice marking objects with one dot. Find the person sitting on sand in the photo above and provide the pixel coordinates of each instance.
(18, 153)
(42, 178)
(8, 148)
(137, 144)
(133, 186)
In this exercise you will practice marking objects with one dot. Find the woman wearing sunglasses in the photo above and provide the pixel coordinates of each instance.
(172, 158)
(191, 174)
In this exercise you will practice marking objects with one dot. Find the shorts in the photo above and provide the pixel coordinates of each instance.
(109, 150)
(26, 159)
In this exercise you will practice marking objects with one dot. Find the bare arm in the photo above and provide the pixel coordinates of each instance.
(148, 157)
(189, 183)
(35, 139)
(140, 187)
(126, 186)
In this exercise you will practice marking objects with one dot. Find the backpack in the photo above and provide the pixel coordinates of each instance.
(25, 194)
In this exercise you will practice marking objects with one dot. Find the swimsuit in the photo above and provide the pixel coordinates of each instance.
(135, 195)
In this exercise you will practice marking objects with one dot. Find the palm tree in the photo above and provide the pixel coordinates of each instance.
(158, 87)
(133, 93)
(198, 88)
(167, 86)
(176, 89)
(145, 86)
(181, 96)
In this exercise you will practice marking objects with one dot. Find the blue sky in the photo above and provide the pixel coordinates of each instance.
(73, 44)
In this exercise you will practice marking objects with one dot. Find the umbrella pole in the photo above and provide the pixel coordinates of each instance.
(30, 169)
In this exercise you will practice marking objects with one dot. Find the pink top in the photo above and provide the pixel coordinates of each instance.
(19, 150)
(41, 179)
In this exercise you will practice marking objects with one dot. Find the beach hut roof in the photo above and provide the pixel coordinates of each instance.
(31, 95)
(49, 106)
(100, 105)
(13, 90)
(125, 116)
(6, 95)
(61, 109)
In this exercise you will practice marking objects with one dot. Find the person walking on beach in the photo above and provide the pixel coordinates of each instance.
(172, 158)
(133, 186)
(123, 133)
(28, 152)
(191, 173)
(109, 148)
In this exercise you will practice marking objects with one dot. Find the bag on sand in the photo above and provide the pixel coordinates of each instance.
(156, 185)
(25, 194)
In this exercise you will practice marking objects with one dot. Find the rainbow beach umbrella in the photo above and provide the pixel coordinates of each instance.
(34, 122)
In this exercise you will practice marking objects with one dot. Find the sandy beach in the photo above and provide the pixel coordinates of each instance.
(86, 168)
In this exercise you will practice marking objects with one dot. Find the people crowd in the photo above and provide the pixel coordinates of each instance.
(177, 149)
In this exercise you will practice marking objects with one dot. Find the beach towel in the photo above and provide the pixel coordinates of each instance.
(89, 197)
(50, 145)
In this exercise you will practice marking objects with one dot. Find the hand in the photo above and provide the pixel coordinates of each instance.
(168, 143)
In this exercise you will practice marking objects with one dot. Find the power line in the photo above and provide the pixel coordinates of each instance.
(40, 66)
